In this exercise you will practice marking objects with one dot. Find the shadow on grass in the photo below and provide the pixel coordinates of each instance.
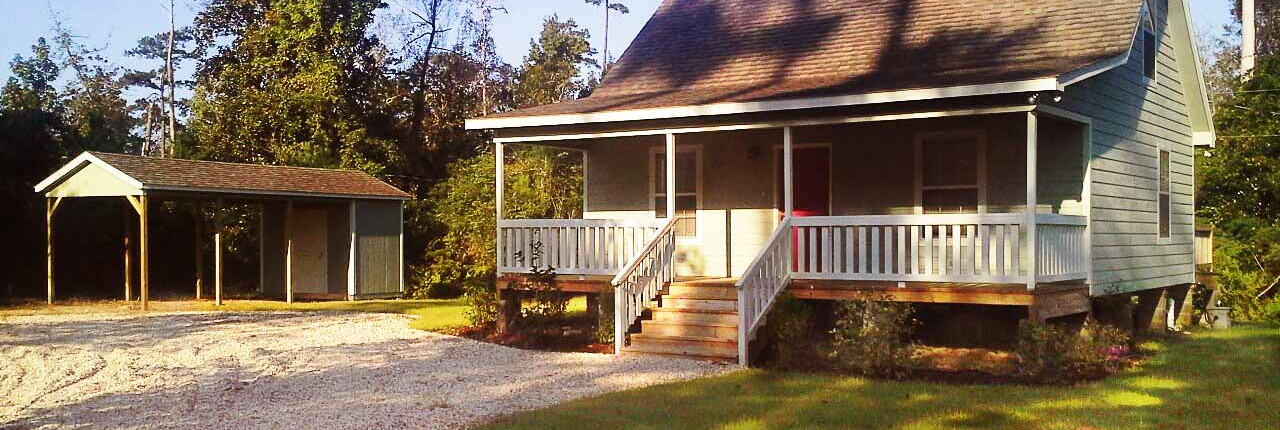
(1209, 380)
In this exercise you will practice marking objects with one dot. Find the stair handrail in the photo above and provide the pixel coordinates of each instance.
(766, 277)
(642, 280)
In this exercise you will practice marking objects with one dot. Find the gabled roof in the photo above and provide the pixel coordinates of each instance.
(702, 57)
(170, 174)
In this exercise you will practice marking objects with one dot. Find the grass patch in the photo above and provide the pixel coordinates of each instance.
(433, 315)
(1210, 379)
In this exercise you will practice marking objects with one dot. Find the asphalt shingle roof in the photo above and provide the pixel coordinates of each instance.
(172, 173)
(700, 52)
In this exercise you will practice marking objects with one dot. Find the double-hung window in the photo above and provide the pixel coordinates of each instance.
(950, 172)
(1165, 205)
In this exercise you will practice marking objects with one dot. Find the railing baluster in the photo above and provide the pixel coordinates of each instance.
(942, 250)
(971, 231)
(915, 250)
(862, 250)
(875, 250)
(928, 250)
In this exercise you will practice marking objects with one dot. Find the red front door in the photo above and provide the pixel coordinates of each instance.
(811, 186)
(811, 181)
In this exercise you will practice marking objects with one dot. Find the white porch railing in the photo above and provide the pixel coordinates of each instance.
(1063, 249)
(642, 280)
(760, 284)
(987, 248)
(572, 246)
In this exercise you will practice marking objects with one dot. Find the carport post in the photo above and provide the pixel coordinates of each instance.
(128, 269)
(143, 253)
(50, 205)
(199, 221)
(217, 254)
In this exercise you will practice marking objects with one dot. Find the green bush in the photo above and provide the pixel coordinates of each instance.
(604, 326)
(1060, 353)
(482, 306)
(871, 336)
(789, 328)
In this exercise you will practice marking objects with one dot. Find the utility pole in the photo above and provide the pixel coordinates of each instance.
(173, 116)
(1248, 43)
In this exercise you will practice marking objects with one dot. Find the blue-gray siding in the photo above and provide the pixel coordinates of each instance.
(1133, 119)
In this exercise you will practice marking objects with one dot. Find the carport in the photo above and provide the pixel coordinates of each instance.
(323, 233)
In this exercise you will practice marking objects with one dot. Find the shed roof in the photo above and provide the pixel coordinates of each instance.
(170, 174)
(697, 53)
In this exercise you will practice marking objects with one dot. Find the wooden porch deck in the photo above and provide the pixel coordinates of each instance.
(1048, 300)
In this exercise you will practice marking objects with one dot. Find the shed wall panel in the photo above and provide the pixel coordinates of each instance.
(378, 256)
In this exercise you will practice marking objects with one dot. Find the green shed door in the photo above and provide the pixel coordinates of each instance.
(378, 254)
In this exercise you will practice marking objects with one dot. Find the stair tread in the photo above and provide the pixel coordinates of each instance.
(697, 311)
(681, 351)
(688, 323)
(683, 338)
(700, 297)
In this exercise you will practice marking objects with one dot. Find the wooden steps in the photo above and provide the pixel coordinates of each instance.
(695, 319)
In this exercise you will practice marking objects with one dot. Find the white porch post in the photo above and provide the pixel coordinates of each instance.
(671, 176)
(1031, 254)
(498, 161)
(788, 197)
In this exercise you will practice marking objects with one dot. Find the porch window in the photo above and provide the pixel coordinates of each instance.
(686, 190)
(950, 172)
(1165, 205)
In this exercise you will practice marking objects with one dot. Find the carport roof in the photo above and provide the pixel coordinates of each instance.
(139, 175)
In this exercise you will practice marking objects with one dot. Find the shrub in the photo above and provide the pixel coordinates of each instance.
(1059, 353)
(871, 335)
(549, 302)
(482, 306)
(604, 326)
(789, 328)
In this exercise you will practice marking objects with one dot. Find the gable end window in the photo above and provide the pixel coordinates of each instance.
(1150, 44)
(1165, 205)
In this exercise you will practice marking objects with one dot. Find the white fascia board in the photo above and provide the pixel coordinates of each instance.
(235, 191)
(1203, 137)
(75, 164)
(1032, 85)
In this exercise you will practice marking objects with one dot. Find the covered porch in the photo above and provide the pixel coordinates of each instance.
(978, 205)
(941, 197)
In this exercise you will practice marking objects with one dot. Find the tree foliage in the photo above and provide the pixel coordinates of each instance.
(1239, 180)
(290, 86)
(540, 182)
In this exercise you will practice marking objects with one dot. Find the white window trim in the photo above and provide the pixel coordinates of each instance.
(919, 188)
(1161, 148)
(696, 149)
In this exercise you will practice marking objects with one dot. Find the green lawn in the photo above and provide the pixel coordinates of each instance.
(1220, 379)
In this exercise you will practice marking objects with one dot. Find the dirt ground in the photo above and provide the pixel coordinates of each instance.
(286, 370)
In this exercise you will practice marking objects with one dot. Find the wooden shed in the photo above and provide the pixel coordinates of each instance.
(323, 233)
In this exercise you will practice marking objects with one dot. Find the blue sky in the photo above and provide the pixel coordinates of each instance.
(116, 25)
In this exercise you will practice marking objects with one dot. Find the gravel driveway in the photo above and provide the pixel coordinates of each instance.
(286, 370)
